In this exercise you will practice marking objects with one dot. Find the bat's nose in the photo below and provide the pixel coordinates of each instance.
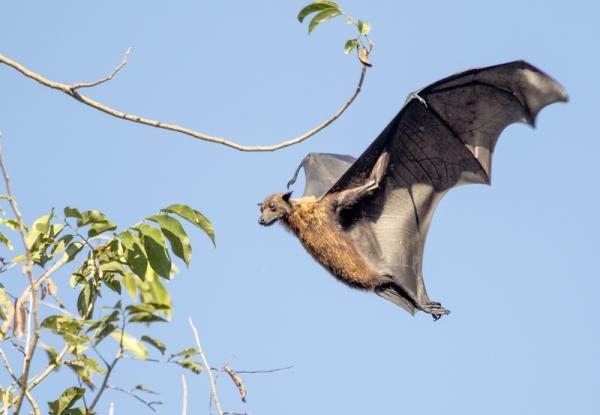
(261, 221)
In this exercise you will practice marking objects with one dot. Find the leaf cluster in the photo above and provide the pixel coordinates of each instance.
(322, 11)
(105, 260)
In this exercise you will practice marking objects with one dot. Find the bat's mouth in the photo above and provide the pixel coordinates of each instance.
(267, 222)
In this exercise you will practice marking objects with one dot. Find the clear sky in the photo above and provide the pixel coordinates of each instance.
(516, 262)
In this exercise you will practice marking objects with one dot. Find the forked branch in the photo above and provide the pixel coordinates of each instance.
(72, 91)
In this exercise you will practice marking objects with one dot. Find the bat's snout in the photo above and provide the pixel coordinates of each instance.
(262, 221)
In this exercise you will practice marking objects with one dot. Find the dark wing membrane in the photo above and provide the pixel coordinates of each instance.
(322, 170)
(443, 137)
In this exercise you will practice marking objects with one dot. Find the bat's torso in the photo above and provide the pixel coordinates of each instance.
(314, 223)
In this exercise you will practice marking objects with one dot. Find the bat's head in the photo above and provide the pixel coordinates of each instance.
(275, 207)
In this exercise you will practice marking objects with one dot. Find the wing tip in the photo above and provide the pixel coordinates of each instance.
(549, 90)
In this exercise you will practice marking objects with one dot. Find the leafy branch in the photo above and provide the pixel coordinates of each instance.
(137, 258)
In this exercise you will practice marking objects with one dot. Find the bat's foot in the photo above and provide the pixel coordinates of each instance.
(435, 309)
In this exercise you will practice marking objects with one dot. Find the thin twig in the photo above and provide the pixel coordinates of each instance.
(106, 78)
(111, 409)
(184, 395)
(71, 90)
(213, 386)
(32, 402)
(279, 369)
(133, 395)
(110, 368)
(27, 269)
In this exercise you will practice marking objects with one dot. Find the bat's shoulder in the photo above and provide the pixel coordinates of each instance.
(306, 202)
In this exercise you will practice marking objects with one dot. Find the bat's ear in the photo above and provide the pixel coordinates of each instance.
(286, 197)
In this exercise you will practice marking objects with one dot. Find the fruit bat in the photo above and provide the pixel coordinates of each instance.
(365, 220)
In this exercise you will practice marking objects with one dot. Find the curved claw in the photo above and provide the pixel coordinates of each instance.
(435, 309)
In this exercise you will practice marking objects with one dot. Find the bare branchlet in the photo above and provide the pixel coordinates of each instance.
(184, 395)
(213, 385)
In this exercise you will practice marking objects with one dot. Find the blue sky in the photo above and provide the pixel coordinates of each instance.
(516, 263)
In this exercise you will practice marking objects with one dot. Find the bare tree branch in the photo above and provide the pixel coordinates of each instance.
(71, 90)
(213, 386)
(184, 395)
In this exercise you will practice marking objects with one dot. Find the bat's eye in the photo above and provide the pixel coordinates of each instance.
(272, 205)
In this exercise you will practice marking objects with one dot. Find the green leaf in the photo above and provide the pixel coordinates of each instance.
(76, 411)
(113, 266)
(40, 227)
(157, 293)
(92, 364)
(72, 212)
(156, 343)
(91, 216)
(132, 344)
(52, 355)
(6, 241)
(156, 249)
(146, 318)
(10, 223)
(62, 324)
(105, 331)
(73, 249)
(178, 238)
(316, 7)
(129, 281)
(75, 340)
(351, 44)
(83, 301)
(140, 308)
(363, 27)
(137, 261)
(191, 365)
(101, 227)
(5, 304)
(194, 217)
(6, 395)
(128, 240)
(66, 400)
(190, 351)
(322, 17)
(61, 244)
(112, 282)
(142, 388)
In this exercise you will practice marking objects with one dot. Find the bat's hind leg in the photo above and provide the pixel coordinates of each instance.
(435, 309)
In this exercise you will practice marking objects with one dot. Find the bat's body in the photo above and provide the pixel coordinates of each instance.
(366, 220)
(314, 222)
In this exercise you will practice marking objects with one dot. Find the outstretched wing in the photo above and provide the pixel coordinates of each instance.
(444, 136)
(321, 170)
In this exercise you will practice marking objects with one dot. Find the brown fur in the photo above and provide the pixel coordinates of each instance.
(313, 221)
